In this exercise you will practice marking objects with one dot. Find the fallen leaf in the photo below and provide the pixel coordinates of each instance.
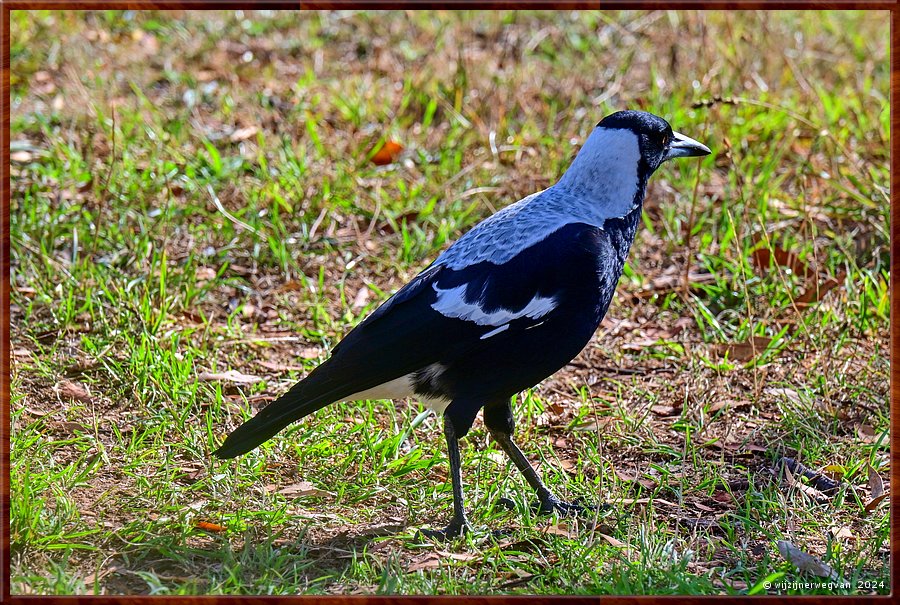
(876, 490)
(460, 556)
(726, 403)
(361, 298)
(762, 258)
(279, 367)
(637, 345)
(673, 281)
(722, 496)
(560, 529)
(428, 561)
(299, 490)
(206, 526)
(230, 376)
(873, 503)
(628, 477)
(790, 394)
(593, 425)
(67, 389)
(242, 134)
(816, 292)
(292, 286)
(614, 541)
(876, 485)
(387, 153)
(528, 544)
(866, 432)
(665, 410)
(71, 428)
(834, 471)
(310, 352)
(204, 273)
(743, 351)
(93, 577)
(842, 532)
(805, 561)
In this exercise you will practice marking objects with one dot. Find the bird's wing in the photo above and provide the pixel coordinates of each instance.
(444, 312)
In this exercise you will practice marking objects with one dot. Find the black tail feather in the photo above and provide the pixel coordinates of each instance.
(293, 405)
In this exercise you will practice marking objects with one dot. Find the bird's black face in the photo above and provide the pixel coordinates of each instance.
(657, 141)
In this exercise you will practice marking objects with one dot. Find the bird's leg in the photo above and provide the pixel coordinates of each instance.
(459, 525)
(548, 501)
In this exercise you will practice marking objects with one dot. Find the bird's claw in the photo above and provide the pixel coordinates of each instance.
(454, 530)
(504, 502)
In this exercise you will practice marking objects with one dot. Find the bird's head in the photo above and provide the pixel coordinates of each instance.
(656, 140)
(619, 156)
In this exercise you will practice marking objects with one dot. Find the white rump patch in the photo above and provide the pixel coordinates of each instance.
(402, 388)
(398, 388)
(452, 303)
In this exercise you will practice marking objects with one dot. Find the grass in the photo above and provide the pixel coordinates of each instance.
(193, 193)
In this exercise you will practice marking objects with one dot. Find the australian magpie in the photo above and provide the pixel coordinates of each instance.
(510, 303)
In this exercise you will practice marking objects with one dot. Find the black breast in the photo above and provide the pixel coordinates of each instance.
(578, 264)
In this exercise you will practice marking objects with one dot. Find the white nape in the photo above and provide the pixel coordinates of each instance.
(601, 184)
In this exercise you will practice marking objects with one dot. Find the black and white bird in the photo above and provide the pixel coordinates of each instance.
(508, 304)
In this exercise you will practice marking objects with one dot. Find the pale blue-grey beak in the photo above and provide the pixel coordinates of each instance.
(683, 147)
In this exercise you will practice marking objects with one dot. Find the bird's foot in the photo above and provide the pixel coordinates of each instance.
(504, 502)
(456, 528)
(548, 504)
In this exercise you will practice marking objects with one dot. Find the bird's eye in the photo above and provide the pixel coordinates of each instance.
(665, 140)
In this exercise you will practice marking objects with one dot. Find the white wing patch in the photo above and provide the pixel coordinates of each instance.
(495, 332)
(452, 303)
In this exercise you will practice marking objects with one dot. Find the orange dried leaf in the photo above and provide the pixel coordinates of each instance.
(387, 153)
(873, 503)
(816, 292)
(763, 256)
(207, 526)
